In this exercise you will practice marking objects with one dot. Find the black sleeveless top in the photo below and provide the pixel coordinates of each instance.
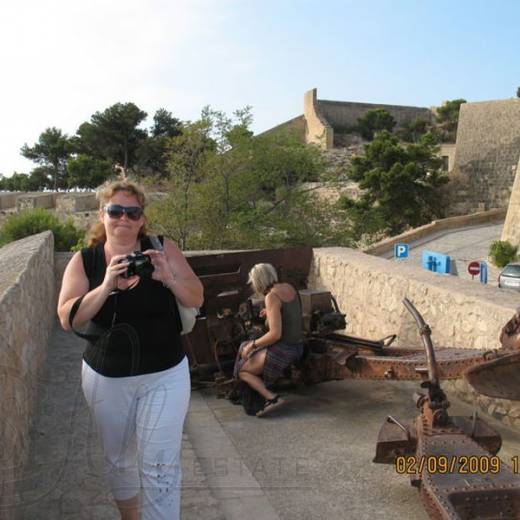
(139, 328)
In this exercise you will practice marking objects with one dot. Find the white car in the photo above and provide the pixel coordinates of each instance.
(509, 278)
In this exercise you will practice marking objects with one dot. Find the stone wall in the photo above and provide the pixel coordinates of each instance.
(447, 152)
(511, 229)
(344, 114)
(487, 154)
(296, 124)
(35, 200)
(8, 199)
(461, 314)
(27, 311)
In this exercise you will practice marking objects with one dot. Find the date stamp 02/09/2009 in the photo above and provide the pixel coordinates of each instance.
(461, 464)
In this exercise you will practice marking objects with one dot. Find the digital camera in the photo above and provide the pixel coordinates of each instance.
(138, 264)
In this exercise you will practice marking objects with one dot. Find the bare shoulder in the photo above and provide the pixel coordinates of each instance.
(171, 248)
(75, 281)
(75, 264)
(177, 259)
(284, 291)
(272, 298)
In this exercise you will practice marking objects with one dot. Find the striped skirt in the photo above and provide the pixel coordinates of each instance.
(279, 356)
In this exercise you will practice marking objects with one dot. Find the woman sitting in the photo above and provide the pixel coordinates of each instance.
(263, 361)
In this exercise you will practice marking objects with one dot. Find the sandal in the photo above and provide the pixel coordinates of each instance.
(270, 404)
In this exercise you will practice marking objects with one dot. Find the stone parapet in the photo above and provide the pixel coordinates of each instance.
(461, 314)
(27, 312)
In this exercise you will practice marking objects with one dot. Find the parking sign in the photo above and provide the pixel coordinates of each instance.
(401, 251)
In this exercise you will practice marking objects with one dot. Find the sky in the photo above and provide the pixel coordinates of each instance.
(63, 60)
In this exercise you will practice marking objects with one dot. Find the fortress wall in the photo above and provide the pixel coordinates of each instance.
(460, 313)
(317, 129)
(448, 150)
(487, 153)
(511, 229)
(36, 200)
(74, 202)
(8, 199)
(27, 312)
(297, 124)
(344, 114)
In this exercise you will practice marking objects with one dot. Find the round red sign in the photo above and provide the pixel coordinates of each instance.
(474, 268)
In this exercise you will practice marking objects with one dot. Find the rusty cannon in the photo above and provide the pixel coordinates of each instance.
(231, 314)
(452, 460)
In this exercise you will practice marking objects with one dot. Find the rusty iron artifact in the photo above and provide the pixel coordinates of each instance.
(434, 447)
(452, 460)
(231, 315)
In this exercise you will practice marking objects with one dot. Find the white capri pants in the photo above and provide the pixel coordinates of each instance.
(139, 420)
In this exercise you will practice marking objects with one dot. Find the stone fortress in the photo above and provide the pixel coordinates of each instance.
(482, 163)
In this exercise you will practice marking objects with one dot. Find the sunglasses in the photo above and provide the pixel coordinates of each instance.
(116, 211)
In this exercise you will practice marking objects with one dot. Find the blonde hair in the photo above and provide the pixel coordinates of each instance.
(97, 233)
(262, 277)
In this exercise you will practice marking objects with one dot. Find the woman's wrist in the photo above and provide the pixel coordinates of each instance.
(170, 282)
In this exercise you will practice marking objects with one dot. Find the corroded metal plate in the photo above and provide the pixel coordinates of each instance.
(497, 378)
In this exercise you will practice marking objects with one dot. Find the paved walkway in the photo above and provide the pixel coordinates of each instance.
(310, 460)
(64, 477)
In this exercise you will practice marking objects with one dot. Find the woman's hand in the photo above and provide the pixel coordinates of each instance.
(263, 313)
(113, 279)
(162, 270)
(247, 350)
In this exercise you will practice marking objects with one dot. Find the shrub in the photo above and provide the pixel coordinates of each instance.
(32, 221)
(502, 252)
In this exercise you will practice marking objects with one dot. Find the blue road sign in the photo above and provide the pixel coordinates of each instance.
(483, 272)
(401, 251)
(436, 262)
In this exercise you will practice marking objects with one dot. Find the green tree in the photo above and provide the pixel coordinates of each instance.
(229, 189)
(165, 125)
(447, 117)
(39, 179)
(31, 221)
(413, 130)
(502, 252)
(518, 92)
(87, 172)
(188, 155)
(151, 155)
(51, 151)
(373, 121)
(400, 186)
(113, 134)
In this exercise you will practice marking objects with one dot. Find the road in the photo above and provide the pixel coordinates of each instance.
(462, 245)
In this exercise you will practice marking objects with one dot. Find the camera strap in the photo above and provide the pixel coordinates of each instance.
(74, 310)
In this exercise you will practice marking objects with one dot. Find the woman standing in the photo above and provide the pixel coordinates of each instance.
(264, 360)
(135, 375)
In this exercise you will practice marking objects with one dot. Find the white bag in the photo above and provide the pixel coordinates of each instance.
(188, 315)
